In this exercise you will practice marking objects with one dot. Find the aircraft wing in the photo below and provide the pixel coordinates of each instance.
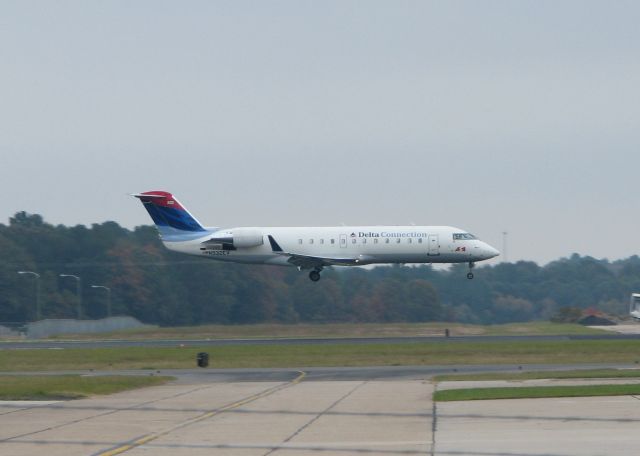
(310, 262)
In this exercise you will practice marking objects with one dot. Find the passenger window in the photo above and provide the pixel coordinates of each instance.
(364, 241)
(321, 241)
(353, 241)
(386, 241)
(343, 241)
(310, 241)
(375, 241)
(299, 241)
(409, 240)
(419, 240)
(333, 241)
(398, 241)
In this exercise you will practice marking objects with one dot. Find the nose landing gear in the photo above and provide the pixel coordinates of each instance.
(470, 274)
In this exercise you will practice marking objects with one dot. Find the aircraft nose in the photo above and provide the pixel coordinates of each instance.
(486, 251)
(491, 252)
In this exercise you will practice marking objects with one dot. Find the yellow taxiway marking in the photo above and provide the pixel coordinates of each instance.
(148, 438)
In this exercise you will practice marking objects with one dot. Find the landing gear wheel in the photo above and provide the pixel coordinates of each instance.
(471, 266)
(314, 276)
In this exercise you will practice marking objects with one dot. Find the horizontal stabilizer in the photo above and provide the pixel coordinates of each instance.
(143, 196)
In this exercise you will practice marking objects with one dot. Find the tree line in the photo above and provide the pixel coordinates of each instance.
(162, 287)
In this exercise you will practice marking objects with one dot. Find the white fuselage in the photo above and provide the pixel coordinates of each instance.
(365, 244)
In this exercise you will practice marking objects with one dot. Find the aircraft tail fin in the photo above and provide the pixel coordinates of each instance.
(169, 216)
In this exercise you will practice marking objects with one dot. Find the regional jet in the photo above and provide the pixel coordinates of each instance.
(312, 248)
(634, 308)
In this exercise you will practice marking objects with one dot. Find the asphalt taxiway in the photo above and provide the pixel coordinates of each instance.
(328, 374)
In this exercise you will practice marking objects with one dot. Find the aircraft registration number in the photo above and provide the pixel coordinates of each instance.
(217, 252)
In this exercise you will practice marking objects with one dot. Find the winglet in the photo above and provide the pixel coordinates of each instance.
(274, 245)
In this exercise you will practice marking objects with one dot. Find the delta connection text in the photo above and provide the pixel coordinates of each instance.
(386, 234)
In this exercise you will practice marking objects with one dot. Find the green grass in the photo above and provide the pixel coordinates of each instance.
(593, 373)
(474, 394)
(56, 387)
(339, 330)
(301, 355)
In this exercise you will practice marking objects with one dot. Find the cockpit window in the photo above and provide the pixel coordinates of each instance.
(463, 236)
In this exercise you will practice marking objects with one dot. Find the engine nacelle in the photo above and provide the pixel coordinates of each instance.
(240, 238)
(244, 238)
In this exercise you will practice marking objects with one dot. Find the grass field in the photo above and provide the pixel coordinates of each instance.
(339, 330)
(57, 387)
(376, 354)
(593, 373)
(474, 394)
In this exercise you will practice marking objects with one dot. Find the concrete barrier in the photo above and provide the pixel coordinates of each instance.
(8, 333)
(46, 328)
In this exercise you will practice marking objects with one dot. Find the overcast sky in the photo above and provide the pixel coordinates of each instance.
(491, 116)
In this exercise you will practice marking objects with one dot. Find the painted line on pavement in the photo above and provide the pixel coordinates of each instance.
(149, 438)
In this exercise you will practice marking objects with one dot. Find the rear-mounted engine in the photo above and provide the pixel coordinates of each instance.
(242, 238)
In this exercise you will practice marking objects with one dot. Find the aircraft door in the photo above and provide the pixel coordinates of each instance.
(343, 241)
(433, 245)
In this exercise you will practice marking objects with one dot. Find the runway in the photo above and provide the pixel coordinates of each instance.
(319, 411)
(52, 344)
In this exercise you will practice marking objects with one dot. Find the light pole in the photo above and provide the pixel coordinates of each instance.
(108, 297)
(37, 277)
(79, 291)
(505, 258)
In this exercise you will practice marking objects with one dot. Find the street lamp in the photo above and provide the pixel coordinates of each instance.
(505, 258)
(108, 297)
(79, 292)
(37, 277)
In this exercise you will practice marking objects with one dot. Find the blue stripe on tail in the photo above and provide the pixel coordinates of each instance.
(178, 219)
(173, 221)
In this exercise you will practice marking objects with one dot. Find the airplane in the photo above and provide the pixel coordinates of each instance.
(634, 308)
(312, 248)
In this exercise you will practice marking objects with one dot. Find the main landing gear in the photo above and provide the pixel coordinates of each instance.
(315, 275)
(470, 274)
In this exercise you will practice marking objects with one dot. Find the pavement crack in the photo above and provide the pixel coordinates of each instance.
(315, 418)
(434, 420)
(122, 448)
(98, 415)
(21, 409)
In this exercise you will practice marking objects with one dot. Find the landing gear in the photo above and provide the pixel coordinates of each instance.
(314, 275)
(470, 274)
